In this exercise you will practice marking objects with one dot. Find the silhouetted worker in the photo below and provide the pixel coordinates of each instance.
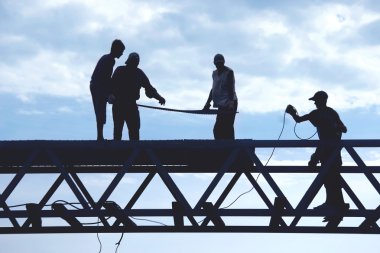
(126, 84)
(330, 128)
(224, 98)
(100, 84)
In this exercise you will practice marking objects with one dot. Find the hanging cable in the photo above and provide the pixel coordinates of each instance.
(14, 206)
(122, 235)
(270, 157)
(57, 201)
(66, 203)
(295, 132)
(118, 243)
(100, 242)
(157, 222)
(95, 223)
(282, 129)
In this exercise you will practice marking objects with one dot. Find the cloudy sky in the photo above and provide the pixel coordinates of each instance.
(282, 52)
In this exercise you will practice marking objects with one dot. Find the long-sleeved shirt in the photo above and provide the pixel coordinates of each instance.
(127, 82)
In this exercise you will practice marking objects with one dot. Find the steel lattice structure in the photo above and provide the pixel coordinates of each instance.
(67, 159)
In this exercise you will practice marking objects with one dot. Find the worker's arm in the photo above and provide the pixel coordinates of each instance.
(208, 102)
(341, 127)
(293, 112)
(150, 91)
(231, 89)
(115, 80)
(107, 68)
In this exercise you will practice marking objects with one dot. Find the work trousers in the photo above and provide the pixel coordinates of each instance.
(332, 181)
(224, 124)
(129, 114)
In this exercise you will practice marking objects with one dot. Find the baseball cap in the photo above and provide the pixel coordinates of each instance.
(319, 95)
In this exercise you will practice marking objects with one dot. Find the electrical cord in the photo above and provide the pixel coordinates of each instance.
(122, 235)
(96, 222)
(118, 243)
(291, 108)
(72, 204)
(100, 242)
(66, 203)
(57, 201)
(270, 157)
(282, 129)
(295, 132)
(14, 206)
(157, 222)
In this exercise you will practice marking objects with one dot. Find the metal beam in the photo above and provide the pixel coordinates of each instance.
(66, 160)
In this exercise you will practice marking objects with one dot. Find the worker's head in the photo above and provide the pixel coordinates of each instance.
(219, 61)
(320, 99)
(133, 60)
(117, 48)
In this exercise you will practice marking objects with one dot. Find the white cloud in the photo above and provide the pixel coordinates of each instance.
(326, 29)
(7, 39)
(64, 109)
(266, 24)
(122, 16)
(45, 73)
(262, 46)
(340, 20)
(31, 112)
(263, 94)
(25, 98)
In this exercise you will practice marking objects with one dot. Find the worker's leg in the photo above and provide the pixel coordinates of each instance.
(100, 106)
(224, 125)
(218, 127)
(133, 123)
(229, 131)
(118, 122)
(334, 195)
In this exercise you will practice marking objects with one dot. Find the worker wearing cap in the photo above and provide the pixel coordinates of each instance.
(126, 84)
(224, 98)
(330, 128)
(100, 84)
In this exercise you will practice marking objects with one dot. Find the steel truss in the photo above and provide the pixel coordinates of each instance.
(67, 159)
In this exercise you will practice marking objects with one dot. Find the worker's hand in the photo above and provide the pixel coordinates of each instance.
(291, 110)
(340, 128)
(111, 99)
(314, 160)
(206, 107)
(162, 101)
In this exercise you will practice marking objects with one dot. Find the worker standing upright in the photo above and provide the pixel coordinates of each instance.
(126, 84)
(330, 128)
(224, 98)
(100, 85)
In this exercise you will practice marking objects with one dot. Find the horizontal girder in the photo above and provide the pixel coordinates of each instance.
(65, 160)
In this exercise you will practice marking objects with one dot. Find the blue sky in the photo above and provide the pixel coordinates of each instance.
(281, 51)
